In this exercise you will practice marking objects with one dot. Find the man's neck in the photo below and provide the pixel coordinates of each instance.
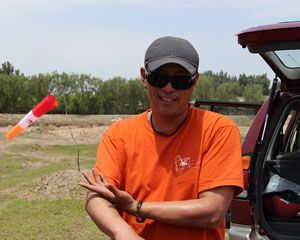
(167, 124)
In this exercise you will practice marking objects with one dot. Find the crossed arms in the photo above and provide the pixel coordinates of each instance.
(104, 200)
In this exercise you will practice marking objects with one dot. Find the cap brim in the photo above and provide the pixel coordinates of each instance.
(153, 65)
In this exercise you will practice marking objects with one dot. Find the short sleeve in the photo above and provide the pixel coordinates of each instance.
(109, 158)
(221, 163)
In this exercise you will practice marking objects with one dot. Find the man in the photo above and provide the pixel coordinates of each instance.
(170, 172)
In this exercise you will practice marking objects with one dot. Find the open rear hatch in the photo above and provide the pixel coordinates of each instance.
(276, 171)
(279, 46)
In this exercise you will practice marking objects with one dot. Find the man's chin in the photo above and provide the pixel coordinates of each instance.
(169, 113)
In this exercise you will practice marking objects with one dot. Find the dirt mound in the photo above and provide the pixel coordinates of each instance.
(59, 185)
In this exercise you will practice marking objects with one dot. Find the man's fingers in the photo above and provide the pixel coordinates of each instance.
(96, 176)
(91, 187)
(90, 181)
(103, 178)
(88, 186)
(102, 192)
(113, 189)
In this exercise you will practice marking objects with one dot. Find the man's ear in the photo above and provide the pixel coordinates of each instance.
(143, 77)
(143, 73)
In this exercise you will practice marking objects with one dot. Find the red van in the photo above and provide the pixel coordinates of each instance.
(269, 207)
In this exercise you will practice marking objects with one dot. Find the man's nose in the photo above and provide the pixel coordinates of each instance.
(168, 87)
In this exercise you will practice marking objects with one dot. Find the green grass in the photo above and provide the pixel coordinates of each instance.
(47, 219)
(242, 120)
(14, 170)
(87, 153)
(86, 150)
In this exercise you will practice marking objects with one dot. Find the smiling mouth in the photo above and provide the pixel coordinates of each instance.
(166, 100)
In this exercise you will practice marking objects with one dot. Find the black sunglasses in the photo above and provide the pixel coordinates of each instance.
(160, 80)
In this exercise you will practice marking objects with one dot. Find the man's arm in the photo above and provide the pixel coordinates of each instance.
(107, 218)
(103, 212)
(208, 211)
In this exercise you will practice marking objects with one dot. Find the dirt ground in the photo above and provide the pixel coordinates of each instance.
(66, 129)
(50, 135)
(58, 129)
(55, 130)
(52, 130)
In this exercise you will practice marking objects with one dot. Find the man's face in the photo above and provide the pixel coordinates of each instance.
(167, 101)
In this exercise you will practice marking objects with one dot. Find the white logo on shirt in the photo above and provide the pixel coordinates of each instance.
(182, 164)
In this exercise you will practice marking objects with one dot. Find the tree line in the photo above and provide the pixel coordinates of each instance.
(85, 94)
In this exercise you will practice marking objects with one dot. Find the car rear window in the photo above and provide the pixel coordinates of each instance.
(290, 58)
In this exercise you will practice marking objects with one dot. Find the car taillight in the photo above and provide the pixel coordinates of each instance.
(246, 163)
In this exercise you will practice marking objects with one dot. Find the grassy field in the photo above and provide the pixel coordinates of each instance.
(40, 198)
(39, 193)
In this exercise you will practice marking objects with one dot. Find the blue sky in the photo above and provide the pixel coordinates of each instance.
(108, 38)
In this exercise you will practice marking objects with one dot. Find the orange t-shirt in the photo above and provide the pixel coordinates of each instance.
(205, 153)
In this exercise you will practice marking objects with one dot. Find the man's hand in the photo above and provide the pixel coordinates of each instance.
(123, 200)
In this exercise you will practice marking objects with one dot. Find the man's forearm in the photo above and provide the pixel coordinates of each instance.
(208, 211)
(189, 213)
(107, 218)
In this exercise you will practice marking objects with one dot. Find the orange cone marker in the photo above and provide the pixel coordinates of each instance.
(41, 108)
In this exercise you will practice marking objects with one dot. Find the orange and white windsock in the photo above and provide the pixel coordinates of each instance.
(41, 108)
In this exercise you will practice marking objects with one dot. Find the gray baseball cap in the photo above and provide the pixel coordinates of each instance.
(171, 50)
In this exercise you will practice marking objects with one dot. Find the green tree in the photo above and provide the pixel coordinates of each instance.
(137, 97)
(13, 94)
(205, 88)
(39, 87)
(84, 94)
(220, 77)
(112, 96)
(262, 80)
(63, 86)
(8, 69)
(228, 91)
(254, 93)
